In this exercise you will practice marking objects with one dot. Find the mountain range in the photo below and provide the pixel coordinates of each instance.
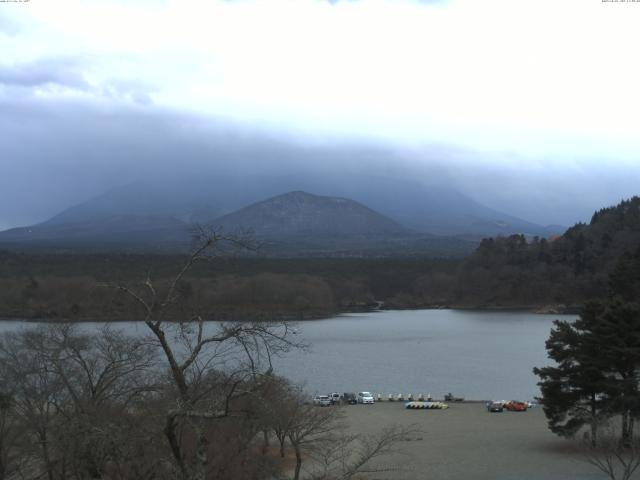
(369, 213)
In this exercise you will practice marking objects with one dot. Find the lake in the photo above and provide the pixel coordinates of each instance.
(474, 354)
(478, 355)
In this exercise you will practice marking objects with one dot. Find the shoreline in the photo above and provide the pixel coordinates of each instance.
(536, 309)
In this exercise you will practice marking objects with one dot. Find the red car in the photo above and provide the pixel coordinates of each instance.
(516, 406)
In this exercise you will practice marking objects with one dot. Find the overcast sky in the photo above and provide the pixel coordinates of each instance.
(533, 105)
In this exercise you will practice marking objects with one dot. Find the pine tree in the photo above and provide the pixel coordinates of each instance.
(598, 360)
(574, 393)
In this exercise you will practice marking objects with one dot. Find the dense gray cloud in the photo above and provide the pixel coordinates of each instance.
(68, 74)
(407, 71)
(127, 90)
(59, 153)
(8, 26)
(44, 72)
(107, 92)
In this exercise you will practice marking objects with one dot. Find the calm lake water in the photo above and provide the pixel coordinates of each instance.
(478, 355)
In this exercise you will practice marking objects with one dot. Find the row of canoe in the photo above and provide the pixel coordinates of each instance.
(426, 405)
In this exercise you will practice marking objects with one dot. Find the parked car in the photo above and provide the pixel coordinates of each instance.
(322, 400)
(334, 397)
(516, 406)
(349, 398)
(365, 398)
(495, 407)
(450, 398)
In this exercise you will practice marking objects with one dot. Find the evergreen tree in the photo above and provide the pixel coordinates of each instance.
(598, 360)
(618, 332)
(574, 393)
(624, 281)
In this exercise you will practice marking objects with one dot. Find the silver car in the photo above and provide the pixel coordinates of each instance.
(322, 400)
(365, 398)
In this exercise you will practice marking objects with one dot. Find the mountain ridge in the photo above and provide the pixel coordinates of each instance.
(291, 224)
(390, 216)
(436, 209)
(302, 213)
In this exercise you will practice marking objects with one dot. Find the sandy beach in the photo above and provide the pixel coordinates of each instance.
(467, 442)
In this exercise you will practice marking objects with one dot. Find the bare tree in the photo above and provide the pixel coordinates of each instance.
(104, 368)
(319, 434)
(11, 435)
(323, 448)
(614, 457)
(309, 427)
(192, 349)
(348, 456)
(104, 374)
(280, 402)
(188, 400)
(71, 394)
(36, 393)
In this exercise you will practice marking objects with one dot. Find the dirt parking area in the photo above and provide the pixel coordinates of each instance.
(467, 442)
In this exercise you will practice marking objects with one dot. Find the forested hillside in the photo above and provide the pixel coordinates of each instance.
(69, 286)
(504, 272)
(564, 270)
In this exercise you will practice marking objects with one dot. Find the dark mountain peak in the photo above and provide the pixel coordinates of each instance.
(302, 213)
(297, 194)
(303, 199)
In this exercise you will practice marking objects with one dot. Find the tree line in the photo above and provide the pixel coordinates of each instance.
(513, 271)
(67, 287)
(570, 269)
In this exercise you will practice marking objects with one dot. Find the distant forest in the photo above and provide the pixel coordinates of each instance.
(556, 274)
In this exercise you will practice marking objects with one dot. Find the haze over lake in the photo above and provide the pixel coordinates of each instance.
(475, 354)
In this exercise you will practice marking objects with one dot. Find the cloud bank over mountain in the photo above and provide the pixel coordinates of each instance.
(520, 105)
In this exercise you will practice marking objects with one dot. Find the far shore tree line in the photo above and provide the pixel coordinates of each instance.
(563, 273)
